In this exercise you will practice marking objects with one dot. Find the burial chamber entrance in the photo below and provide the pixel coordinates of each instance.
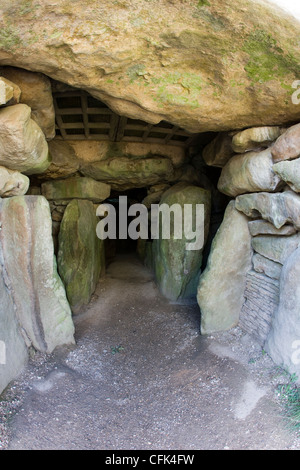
(99, 157)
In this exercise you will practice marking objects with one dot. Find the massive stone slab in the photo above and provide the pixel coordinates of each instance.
(222, 284)
(36, 92)
(127, 173)
(278, 208)
(23, 146)
(248, 173)
(283, 342)
(32, 280)
(254, 138)
(13, 350)
(80, 253)
(287, 147)
(76, 188)
(12, 183)
(289, 171)
(176, 268)
(183, 62)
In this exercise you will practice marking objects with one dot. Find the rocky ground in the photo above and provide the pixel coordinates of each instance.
(142, 377)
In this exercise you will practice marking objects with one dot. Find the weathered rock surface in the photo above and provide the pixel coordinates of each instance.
(287, 147)
(80, 254)
(283, 342)
(32, 280)
(9, 92)
(126, 173)
(222, 284)
(64, 161)
(164, 60)
(248, 173)
(261, 301)
(36, 92)
(289, 171)
(263, 227)
(266, 266)
(176, 268)
(12, 183)
(276, 248)
(278, 208)
(23, 146)
(76, 188)
(219, 150)
(13, 350)
(254, 138)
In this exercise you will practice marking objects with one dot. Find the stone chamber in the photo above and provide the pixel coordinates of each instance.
(67, 146)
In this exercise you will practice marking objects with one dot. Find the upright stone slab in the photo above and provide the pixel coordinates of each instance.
(176, 268)
(222, 284)
(80, 254)
(283, 342)
(28, 259)
(13, 350)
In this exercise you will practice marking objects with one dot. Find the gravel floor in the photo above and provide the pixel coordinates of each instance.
(142, 377)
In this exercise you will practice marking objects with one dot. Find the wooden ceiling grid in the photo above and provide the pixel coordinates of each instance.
(79, 116)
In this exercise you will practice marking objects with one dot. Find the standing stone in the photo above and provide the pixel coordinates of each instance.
(23, 146)
(176, 268)
(80, 253)
(289, 171)
(222, 284)
(254, 138)
(283, 342)
(248, 173)
(277, 208)
(12, 183)
(36, 92)
(13, 351)
(39, 297)
(287, 146)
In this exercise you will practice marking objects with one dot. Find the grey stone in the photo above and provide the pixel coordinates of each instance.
(248, 173)
(287, 146)
(254, 138)
(283, 342)
(222, 284)
(263, 227)
(276, 248)
(289, 171)
(278, 208)
(264, 265)
(34, 285)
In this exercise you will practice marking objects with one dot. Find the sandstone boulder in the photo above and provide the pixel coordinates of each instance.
(277, 208)
(183, 62)
(13, 350)
(254, 138)
(32, 280)
(125, 173)
(287, 147)
(36, 92)
(12, 183)
(219, 150)
(276, 248)
(289, 171)
(222, 284)
(80, 253)
(76, 188)
(283, 342)
(248, 173)
(263, 227)
(23, 146)
(177, 268)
